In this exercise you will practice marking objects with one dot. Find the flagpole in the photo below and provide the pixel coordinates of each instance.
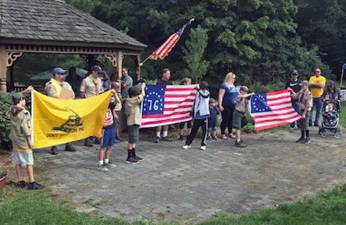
(190, 21)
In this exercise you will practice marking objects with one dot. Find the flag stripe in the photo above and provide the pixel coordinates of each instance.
(273, 110)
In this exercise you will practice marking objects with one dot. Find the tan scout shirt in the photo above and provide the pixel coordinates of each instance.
(133, 109)
(21, 128)
(91, 87)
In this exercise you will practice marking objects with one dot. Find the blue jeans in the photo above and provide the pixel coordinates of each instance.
(317, 105)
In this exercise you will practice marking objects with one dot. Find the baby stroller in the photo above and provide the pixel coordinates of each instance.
(330, 119)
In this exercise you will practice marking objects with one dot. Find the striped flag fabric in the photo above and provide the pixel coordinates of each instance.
(272, 109)
(167, 104)
(169, 44)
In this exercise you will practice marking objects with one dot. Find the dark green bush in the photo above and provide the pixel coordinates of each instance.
(5, 125)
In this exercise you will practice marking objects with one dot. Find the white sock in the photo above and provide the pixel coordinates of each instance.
(165, 133)
(238, 140)
(158, 133)
(100, 163)
(106, 161)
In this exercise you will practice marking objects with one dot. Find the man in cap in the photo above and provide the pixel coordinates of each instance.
(91, 86)
(58, 88)
(294, 84)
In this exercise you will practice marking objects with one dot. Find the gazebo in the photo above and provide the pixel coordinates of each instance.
(53, 26)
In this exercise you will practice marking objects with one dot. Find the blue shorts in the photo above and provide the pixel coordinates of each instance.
(108, 138)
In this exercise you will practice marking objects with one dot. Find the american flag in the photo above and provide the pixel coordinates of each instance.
(272, 109)
(169, 44)
(164, 105)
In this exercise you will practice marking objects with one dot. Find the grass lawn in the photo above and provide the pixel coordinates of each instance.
(36, 208)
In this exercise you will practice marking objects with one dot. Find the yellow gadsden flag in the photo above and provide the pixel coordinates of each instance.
(59, 121)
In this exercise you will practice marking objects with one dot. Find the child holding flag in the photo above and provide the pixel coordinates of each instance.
(133, 114)
(201, 115)
(20, 136)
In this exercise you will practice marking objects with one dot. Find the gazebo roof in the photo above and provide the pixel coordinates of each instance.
(54, 22)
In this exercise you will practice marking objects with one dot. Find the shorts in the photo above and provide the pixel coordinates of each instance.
(133, 133)
(22, 158)
(182, 125)
(108, 138)
(237, 119)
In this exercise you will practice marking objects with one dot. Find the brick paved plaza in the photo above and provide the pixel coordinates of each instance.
(172, 184)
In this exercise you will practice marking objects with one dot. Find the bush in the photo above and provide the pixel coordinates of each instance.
(5, 124)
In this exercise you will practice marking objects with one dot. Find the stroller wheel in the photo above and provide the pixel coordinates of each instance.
(337, 133)
(322, 132)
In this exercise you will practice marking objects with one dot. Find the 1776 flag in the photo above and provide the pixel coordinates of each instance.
(272, 109)
(169, 44)
(164, 105)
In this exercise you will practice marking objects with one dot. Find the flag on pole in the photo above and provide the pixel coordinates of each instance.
(164, 105)
(59, 121)
(272, 109)
(169, 44)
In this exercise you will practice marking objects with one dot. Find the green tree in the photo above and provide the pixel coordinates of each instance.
(194, 53)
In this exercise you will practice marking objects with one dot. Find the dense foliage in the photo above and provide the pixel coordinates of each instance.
(257, 39)
(5, 124)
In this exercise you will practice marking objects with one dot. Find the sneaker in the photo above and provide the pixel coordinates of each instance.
(131, 160)
(224, 137)
(97, 141)
(203, 148)
(214, 138)
(157, 140)
(240, 144)
(21, 184)
(54, 150)
(102, 167)
(110, 165)
(35, 186)
(186, 147)
(310, 124)
(232, 136)
(138, 158)
(315, 124)
(69, 148)
(165, 139)
(306, 141)
(301, 139)
(292, 125)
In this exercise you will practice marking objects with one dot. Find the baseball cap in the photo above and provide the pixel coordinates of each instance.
(16, 97)
(97, 69)
(58, 70)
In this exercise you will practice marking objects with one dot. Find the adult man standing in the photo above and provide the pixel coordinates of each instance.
(317, 83)
(294, 84)
(164, 80)
(91, 86)
(126, 83)
(58, 88)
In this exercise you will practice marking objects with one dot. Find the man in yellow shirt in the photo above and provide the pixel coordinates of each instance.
(316, 83)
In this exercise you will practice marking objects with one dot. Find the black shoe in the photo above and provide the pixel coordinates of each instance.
(97, 141)
(54, 150)
(70, 148)
(165, 139)
(292, 125)
(131, 160)
(21, 184)
(134, 155)
(157, 140)
(315, 124)
(310, 124)
(88, 143)
(240, 144)
(110, 165)
(306, 141)
(301, 139)
(35, 186)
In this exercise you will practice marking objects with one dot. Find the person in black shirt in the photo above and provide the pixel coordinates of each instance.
(294, 84)
(164, 80)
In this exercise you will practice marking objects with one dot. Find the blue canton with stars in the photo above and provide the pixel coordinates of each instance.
(154, 100)
(259, 103)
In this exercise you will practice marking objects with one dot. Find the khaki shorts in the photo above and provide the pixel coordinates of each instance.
(22, 158)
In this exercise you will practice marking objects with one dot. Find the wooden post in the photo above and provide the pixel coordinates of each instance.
(138, 67)
(3, 69)
(120, 57)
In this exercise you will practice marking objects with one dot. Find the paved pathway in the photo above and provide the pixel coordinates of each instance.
(172, 184)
